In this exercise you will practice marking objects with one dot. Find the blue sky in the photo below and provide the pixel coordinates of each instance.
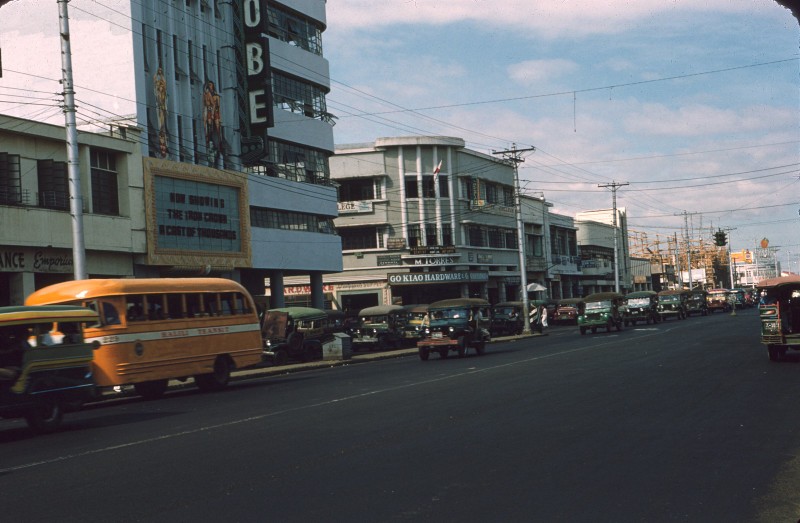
(695, 104)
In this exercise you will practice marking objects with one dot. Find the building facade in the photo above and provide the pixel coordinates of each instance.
(596, 237)
(224, 169)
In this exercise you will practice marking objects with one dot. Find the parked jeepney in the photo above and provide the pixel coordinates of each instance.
(45, 365)
(567, 311)
(642, 307)
(718, 300)
(697, 303)
(294, 333)
(604, 310)
(507, 318)
(672, 304)
(416, 321)
(779, 309)
(456, 324)
(380, 327)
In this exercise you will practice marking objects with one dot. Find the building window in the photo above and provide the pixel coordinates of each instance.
(428, 186)
(414, 236)
(491, 193)
(105, 196)
(294, 162)
(412, 190)
(444, 187)
(300, 97)
(535, 244)
(508, 197)
(264, 218)
(430, 234)
(476, 236)
(511, 239)
(53, 184)
(10, 179)
(496, 238)
(357, 238)
(447, 234)
(356, 189)
(291, 28)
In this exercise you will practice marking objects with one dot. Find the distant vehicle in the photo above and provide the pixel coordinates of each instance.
(456, 324)
(741, 298)
(152, 330)
(416, 320)
(507, 318)
(718, 300)
(380, 327)
(697, 303)
(45, 364)
(672, 303)
(779, 310)
(604, 310)
(642, 307)
(294, 333)
(567, 311)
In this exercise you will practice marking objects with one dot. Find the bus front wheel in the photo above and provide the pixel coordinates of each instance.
(46, 416)
(218, 379)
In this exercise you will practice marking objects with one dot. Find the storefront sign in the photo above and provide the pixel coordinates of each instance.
(36, 260)
(423, 278)
(433, 249)
(440, 260)
(396, 243)
(357, 207)
(391, 259)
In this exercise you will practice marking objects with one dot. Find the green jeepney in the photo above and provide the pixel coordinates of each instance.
(45, 366)
(456, 325)
(779, 310)
(380, 327)
(642, 307)
(672, 303)
(603, 310)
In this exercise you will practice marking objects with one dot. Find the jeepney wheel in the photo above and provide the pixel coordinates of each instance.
(619, 326)
(217, 379)
(424, 354)
(281, 357)
(776, 353)
(583, 330)
(480, 347)
(46, 416)
(648, 320)
(462, 347)
(594, 330)
(151, 390)
(443, 353)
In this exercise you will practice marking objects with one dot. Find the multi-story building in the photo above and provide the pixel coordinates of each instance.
(565, 261)
(232, 138)
(596, 237)
(424, 218)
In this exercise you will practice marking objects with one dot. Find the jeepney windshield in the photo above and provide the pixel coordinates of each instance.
(449, 314)
(669, 299)
(375, 319)
(638, 302)
(593, 305)
(505, 311)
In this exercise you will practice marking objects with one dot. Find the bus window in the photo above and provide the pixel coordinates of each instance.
(194, 305)
(135, 308)
(175, 306)
(210, 303)
(110, 314)
(155, 306)
(227, 305)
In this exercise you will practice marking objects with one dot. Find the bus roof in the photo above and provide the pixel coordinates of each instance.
(782, 280)
(95, 288)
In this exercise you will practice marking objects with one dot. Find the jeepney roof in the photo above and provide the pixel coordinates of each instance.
(27, 314)
(507, 304)
(673, 292)
(641, 294)
(381, 310)
(793, 279)
(602, 296)
(570, 301)
(416, 307)
(458, 302)
(302, 313)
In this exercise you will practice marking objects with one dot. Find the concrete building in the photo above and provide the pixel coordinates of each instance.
(565, 260)
(229, 165)
(595, 237)
(423, 218)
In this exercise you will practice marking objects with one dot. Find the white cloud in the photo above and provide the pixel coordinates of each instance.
(535, 72)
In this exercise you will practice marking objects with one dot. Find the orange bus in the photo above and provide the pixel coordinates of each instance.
(152, 330)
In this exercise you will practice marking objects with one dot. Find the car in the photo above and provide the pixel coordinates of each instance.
(294, 333)
(672, 303)
(642, 307)
(45, 365)
(604, 310)
(507, 318)
(456, 324)
(380, 327)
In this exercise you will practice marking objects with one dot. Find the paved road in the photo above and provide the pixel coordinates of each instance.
(684, 421)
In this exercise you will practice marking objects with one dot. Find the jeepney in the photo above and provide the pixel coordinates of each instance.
(642, 307)
(294, 333)
(567, 311)
(697, 303)
(380, 327)
(718, 300)
(507, 318)
(415, 322)
(672, 303)
(779, 310)
(604, 310)
(456, 325)
(45, 365)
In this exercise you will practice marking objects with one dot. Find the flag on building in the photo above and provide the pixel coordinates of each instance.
(437, 169)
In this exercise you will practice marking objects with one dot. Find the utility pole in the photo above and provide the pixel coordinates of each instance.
(73, 166)
(614, 186)
(513, 155)
(688, 245)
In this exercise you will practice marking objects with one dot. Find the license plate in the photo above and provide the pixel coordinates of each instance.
(436, 335)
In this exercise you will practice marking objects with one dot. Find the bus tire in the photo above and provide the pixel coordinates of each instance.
(151, 390)
(218, 379)
(46, 416)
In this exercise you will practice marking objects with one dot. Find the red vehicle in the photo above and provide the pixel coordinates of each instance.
(718, 300)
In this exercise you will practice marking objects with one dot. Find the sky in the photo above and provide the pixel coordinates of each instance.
(692, 107)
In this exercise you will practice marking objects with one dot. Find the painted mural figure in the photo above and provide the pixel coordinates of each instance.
(212, 119)
(160, 87)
